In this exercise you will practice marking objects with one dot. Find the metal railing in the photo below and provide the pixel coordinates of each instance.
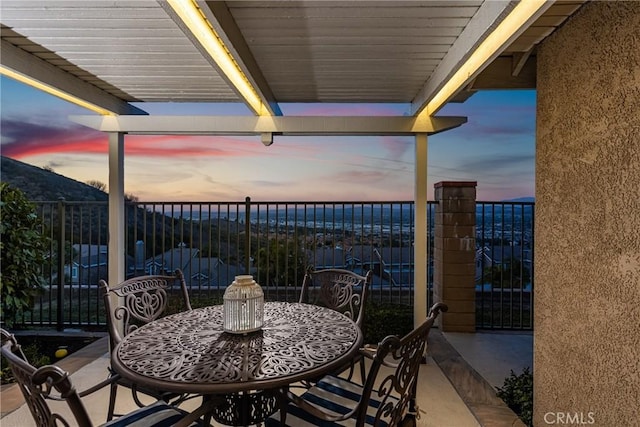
(504, 265)
(276, 242)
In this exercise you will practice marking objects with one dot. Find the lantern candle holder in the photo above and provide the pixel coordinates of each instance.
(243, 306)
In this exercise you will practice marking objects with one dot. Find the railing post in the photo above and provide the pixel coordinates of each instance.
(247, 235)
(61, 261)
(454, 254)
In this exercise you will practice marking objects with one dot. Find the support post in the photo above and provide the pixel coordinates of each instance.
(421, 230)
(116, 242)
(454, 254)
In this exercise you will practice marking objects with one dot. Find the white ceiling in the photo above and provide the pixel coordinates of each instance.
(292, 51)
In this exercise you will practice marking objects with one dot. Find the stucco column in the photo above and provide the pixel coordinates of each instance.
(454, 254)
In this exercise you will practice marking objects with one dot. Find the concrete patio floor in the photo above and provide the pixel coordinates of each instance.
(493, 354)
(456, 385)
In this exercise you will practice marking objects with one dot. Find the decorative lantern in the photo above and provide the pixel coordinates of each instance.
(243, 306)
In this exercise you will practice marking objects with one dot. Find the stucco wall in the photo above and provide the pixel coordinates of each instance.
(587, 259)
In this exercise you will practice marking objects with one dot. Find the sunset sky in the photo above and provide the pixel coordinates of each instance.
(496, 148)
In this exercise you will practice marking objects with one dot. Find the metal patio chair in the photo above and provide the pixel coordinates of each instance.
(387, 398)
(38, 384)
(140, 300)
(341, 290)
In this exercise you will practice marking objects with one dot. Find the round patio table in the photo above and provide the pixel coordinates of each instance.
(189, 352)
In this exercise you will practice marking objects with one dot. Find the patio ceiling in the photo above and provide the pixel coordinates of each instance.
(112, 53)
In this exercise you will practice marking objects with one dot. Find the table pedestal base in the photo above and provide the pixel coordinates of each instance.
(242, 409)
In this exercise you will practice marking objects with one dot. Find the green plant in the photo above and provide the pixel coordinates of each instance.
(517, 393)
(32, 353)
(23, 248)
(383, 319)
(511, 274)
(282, 263)
(175, 304)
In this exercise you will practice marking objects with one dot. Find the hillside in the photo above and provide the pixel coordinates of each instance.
(42, 185)
(522, 200)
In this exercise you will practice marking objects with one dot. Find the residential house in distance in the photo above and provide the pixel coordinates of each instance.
(392, 266)
(90, 264)
(501, 256)
(209, 273)
(199, 272)
(167, 262)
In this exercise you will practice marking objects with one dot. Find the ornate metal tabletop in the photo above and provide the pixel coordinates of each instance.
(189, 352)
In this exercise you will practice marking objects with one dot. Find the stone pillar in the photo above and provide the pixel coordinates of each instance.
(454, 255)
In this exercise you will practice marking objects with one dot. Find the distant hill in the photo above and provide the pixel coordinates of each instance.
(522, 200)
(42, 185)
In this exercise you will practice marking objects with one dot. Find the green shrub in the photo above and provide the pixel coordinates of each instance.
(176, 305)
(33, 354)
(383, 319)
(517, 393)
(23, 249)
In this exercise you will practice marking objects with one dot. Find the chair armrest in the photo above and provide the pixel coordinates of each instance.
(369, 351)
(113, 378)
(50, 396)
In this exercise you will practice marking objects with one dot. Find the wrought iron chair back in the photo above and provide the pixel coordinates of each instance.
(50, 382)
(131, 304)
(36, 385)
(341, 290)
(141, 300)
(397, 390)
(386, 399)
